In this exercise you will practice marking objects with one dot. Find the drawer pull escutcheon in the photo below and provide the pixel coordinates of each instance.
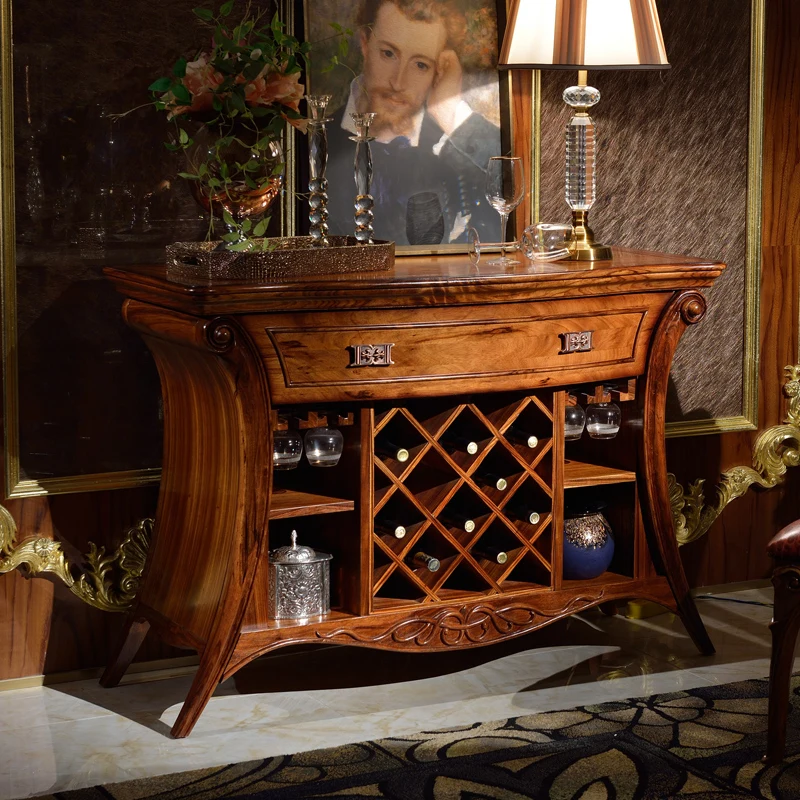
(372, 355)
(576, 342)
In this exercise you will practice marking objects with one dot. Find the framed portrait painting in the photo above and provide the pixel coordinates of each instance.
(428, 70)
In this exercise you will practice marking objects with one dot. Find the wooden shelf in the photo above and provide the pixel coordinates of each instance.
(606, 579)
(577, 473)
(287, 503)
(334, 614)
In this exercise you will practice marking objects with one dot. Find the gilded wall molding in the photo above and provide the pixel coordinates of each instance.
(775, 450)
(108, 582)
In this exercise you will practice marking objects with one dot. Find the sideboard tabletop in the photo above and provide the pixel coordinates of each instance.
(419, 281)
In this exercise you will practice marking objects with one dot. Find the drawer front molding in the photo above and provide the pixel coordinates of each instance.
(515, 343)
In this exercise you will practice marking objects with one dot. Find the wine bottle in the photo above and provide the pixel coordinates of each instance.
(522, 437)
(390, 527)
(420, 559)
(524, 513)
(454, 441)
(493, 481)
(383, 447)
(456, 519)
(490, 553)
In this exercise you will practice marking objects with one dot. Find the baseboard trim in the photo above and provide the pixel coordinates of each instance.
(141, 672)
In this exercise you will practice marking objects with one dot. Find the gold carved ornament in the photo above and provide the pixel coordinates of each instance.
(775, 450)
(108, 582)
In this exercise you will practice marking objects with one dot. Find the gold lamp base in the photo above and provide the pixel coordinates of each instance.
(583, 246)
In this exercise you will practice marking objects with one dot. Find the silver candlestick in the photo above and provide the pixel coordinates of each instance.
(317, 163)
(362, 167)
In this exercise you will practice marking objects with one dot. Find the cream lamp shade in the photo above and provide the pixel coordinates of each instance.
(583, 34)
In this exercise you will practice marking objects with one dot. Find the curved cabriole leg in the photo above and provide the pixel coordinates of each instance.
(211, 522)
(784, 627)
(687, 308)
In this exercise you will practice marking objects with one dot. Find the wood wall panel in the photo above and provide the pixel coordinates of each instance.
(781, 225)
(25, 605)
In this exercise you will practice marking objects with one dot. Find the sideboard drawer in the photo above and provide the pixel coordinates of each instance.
(366, 354)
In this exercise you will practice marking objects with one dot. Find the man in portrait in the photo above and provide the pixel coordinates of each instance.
(431, 149)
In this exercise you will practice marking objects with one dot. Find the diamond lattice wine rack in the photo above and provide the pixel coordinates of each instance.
(472, 487)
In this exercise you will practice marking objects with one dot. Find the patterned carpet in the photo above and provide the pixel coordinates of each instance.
(699, 744)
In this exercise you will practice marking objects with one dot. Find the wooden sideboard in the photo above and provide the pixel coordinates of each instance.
(473, 351)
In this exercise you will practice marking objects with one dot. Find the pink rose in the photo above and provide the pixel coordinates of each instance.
(275, 88)
(201, 79)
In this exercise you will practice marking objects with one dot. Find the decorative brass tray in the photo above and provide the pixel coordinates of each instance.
(199, 264)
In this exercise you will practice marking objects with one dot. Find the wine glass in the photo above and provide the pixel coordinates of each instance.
(505, 187)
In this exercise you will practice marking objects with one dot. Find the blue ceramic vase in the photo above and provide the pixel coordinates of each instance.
(588, 545)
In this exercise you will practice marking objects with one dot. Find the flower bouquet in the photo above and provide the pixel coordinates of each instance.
(230, 106)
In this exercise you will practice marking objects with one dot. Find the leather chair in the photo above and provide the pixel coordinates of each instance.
(785, 549)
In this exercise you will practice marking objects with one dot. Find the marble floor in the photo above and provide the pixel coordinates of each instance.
(71, 735)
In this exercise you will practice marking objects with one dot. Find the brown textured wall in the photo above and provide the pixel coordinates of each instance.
(672, 176)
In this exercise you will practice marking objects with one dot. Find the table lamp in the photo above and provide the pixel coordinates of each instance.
(583, 35)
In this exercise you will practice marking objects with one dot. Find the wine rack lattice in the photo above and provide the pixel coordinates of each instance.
(470, 485)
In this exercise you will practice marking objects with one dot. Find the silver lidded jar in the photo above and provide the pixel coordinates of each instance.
(299, 582)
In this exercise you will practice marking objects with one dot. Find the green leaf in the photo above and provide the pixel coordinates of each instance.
(179, 70)
(261, 228)
(189, 176)
(251, 184)
(225, 66)
(183, 137)
(238, 102)
(241, 247)
(230, 237)
(204, 14)
(246, 225)
(252, 69)
(227, 218)
(160, 85)
(278, 170)
(226, 8)
(171, 147)
(182, 94)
